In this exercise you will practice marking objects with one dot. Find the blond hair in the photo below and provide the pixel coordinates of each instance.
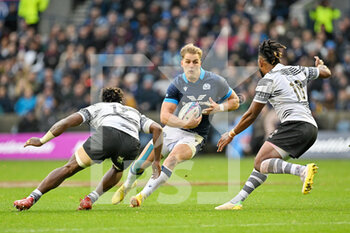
(190, 48)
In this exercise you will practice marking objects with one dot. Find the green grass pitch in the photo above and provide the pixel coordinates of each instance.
(276, 206)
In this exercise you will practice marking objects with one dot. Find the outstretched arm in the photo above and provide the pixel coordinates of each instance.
(57, 129)
(247, 119)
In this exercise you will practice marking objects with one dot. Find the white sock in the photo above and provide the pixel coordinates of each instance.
(94, 196)
(36, 194)
(153, 184)
(130, 180)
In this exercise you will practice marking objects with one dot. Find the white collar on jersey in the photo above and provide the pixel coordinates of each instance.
(277, 67)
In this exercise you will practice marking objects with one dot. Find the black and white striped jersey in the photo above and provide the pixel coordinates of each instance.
(285, 87)
(116, 115)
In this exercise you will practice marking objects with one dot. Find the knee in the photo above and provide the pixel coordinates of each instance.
(171, 161)
(136, 168)
(257, 163)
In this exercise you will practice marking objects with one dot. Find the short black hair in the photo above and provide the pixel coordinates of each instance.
(269, 50)
(112, 94)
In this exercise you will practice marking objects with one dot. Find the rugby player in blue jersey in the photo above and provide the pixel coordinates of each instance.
(183, 139)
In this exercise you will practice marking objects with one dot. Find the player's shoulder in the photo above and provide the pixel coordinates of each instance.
(178, 78)
(129, 108)
(96, 105)
(267, 80)
(213, 76)
(178, 81)
(289, 70)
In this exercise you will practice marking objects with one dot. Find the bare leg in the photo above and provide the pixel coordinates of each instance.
(109, 180)
(266, 152)
(180, 153)
(57, 176)
(144, 160)
(53, 180)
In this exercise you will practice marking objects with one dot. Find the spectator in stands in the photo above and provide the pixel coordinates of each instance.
(30, 11)
(324, 15)
(26, 102)
(79, 97)
(157, 29)
(147, 99)
(51, 57)
(10, 23)
(6, 104)
(65, 93)
(28, 123)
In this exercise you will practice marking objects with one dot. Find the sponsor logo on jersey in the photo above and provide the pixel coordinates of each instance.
(194, 99)
(185, 88)
(199, 100)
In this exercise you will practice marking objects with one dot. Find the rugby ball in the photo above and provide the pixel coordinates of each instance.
(189, 110)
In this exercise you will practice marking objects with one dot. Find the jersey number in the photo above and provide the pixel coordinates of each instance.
(298, 90)
(121, 110)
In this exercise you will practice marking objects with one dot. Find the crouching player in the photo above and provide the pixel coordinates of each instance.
(116, 137)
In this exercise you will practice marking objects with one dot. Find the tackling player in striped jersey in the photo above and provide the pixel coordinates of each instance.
(285, 87)
(117, 137)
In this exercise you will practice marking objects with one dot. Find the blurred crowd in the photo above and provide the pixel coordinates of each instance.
(41, 75)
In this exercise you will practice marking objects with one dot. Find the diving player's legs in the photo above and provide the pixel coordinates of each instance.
(109, 180)
(54, 179)
(180, 153)
(137, 168)
(57, 176)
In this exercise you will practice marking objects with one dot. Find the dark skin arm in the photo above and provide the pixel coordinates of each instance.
(58, 128)
(323, 69)
(157, 132)
(247, 119)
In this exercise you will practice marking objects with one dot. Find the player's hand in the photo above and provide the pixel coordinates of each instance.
(224, 141)
(318, 61)
(213, 107)
(155, 169)
(193, 122)
(34, 141)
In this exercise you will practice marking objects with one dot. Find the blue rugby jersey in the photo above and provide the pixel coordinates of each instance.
(181, 91)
